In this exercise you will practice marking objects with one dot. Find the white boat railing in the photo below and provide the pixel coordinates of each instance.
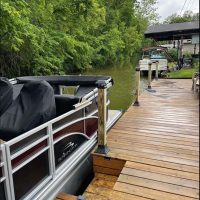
(4, 179)
(38, 144)
(34, 152)
(39, 147)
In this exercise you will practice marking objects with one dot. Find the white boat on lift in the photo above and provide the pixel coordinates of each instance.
(153, 55)
(47, 136)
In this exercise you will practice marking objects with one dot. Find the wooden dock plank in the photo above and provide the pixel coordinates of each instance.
(162, 149)
(160, 177)
(158, 185)
(123, 154)
(156, 137)
(147, 192)
(101, 188)
(155, 148)
(154, 156)
(162, 170)
(101, 185)
(63, 196)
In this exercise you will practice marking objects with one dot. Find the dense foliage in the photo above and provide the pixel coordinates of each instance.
(59, 36)
(173, 53)
(188, 16)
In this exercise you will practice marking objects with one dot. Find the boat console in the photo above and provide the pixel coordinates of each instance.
(46, 135)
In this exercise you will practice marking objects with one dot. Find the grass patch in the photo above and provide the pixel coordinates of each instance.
(183, 73)
(172, 64)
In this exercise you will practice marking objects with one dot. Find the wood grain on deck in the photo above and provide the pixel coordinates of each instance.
(159, 145)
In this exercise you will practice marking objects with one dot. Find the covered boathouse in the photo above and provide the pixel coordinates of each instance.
(177, 32)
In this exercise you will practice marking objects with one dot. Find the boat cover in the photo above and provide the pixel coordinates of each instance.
(65, 103)
(16, 90)
(6, 94)
(69, 80)
(34, 106)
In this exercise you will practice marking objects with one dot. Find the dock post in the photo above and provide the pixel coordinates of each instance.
(157, 62)
(137, 86)
(195, 85)
(102, 112)
(193, 79)
(149, 75)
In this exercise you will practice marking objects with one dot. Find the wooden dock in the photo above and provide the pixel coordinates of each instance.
(154, 148)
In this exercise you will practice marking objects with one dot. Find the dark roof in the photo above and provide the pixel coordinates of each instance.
(167, 31)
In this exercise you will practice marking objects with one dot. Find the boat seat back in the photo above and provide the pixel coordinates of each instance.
(34, 106)
(83, 90)
(6, 94)
(65, 103)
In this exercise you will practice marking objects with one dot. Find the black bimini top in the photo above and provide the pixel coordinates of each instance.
(68, 80)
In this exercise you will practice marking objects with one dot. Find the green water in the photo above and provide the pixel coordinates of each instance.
(122, 94)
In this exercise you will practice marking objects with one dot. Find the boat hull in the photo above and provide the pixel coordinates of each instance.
(162, 65)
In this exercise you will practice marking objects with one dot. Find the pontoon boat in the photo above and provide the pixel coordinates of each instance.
(47, 135)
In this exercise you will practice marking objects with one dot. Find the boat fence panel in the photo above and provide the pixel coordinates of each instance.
(27, 141)
(71, 137)
(70, 118)
(4, 180)
(34, 161)
(34, 157)
(29, 160)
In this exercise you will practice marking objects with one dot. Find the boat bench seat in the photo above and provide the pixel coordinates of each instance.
(65, 103)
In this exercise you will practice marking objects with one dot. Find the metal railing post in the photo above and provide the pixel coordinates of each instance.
(157, 62)
(149, 75)
(102, 116)
(137, 86)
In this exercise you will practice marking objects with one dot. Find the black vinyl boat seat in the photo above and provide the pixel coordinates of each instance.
(34, 106)
(65, 103)
(6, 94)
(84, 90)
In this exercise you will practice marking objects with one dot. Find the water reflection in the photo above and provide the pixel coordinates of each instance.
(122, 94)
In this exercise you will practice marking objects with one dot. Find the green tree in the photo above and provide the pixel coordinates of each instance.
(59, 36)
(188, 16)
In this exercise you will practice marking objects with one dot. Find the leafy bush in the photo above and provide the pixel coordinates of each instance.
(196, 66)
(60, 36)
(173, 54)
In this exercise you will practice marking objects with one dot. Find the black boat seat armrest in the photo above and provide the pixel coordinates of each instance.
(65, 103)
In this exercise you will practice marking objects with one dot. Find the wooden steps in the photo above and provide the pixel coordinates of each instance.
(154, 149)
(107, 165)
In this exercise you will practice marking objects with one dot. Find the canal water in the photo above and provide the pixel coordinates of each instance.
(122, 94)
